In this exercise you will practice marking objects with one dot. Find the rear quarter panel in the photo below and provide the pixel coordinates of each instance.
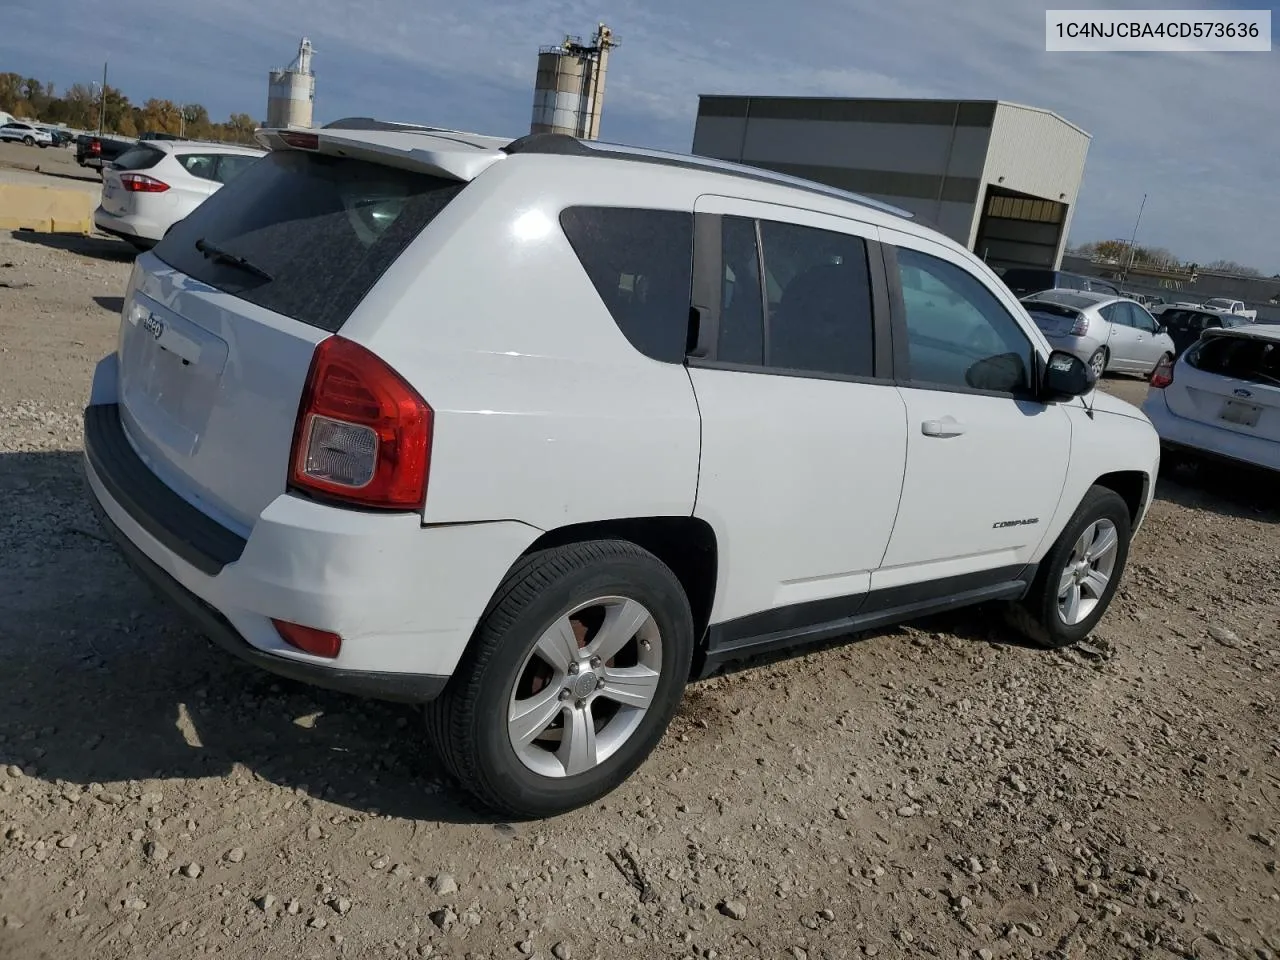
(544, 412)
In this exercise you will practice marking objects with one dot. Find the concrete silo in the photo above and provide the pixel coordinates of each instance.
(569, 90)
(291, 91)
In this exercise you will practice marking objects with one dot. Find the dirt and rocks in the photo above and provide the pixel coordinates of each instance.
(938, 790)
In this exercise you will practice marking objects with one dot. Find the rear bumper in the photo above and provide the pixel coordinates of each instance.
(1191, 436)
(127, 227)
(1082, 347)
(404, 598)
(406, 687)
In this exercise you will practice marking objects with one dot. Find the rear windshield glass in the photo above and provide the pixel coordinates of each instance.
(138, 158)
(1052, 309)
(1243, 358)
(313, 233)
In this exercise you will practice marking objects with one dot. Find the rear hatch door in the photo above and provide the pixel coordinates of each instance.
(1053, 319)
(223, 316)
(116, 200)
(1232, 381)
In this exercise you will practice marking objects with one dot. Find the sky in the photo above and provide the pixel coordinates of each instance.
(1198, 133)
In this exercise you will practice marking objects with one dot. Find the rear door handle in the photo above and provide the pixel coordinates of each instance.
(946, 427)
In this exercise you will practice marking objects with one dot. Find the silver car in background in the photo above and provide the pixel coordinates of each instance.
(1105, 331)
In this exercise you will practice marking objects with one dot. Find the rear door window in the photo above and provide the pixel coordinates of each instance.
(641, 264)
(202, 165)
(818, 290)
(323, 229)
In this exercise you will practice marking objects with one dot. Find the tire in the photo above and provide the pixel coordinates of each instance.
(1038, 615)
(1098, 363)
(29, 141)
(474, 725)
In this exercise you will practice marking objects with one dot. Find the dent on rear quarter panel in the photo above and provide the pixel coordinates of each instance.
(544, 412)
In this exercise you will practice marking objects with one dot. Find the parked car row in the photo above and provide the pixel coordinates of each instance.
(33, 135)
(1108, 332)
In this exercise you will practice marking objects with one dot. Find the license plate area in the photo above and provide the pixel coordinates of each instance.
(1239, 413)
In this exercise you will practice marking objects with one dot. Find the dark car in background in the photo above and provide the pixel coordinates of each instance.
(93, 150)
(1024, 281)
(1184, 325)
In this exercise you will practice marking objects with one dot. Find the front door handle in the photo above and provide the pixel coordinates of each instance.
(946, 427)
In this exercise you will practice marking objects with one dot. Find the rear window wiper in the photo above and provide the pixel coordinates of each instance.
(218, 255)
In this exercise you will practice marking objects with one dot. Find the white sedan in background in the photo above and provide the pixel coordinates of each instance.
(149, 188)
(1221, 398)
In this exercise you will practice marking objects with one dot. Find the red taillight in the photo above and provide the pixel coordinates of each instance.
(1162, 375)
(319, 643)
(95, 146)
(303, 141)
(363, 435)
(141, 183)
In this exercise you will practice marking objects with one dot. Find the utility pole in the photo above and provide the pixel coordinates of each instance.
(102, 106)
(1133, 240)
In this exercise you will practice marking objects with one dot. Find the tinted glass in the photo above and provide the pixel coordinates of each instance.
(231, 165)
(202, 165)
(1022, 280)
(1243, 358)
(641, 263)
(324, 228)
(1113, 313)
(818, 289)
(958, 334)
(1140, 318)
(138, 158)
(741, 334)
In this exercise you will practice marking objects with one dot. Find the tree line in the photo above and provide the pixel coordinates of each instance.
(1119, 251)
(80, 106)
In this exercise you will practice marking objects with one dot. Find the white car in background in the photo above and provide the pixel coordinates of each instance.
(1227, 305)
(152, 186)
(1221, 398)
(28, 133)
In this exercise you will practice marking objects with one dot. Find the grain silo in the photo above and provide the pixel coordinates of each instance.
(292, 91)
(569, 91)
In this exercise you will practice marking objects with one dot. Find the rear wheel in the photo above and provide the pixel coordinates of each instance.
(1078, 577)
(1098, 363)
(570, 680)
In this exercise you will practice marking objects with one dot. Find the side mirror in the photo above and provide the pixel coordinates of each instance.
(1065, 377)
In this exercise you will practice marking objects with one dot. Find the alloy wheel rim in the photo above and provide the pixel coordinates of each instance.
(1088, 571)
(585, 686)
(1099, 364)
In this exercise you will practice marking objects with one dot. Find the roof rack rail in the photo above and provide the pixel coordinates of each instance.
(562, 144)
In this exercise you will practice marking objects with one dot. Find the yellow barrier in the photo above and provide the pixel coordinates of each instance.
(45, 209)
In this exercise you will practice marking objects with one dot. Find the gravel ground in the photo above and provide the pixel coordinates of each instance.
(938, 790)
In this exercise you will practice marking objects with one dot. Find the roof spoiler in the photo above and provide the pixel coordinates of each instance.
(442, 153)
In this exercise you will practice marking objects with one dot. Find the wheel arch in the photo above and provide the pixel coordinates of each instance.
(685, 544)
(1132, 487)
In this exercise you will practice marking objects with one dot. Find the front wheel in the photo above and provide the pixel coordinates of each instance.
(29, 141)
(570, 679)
(1079, 576)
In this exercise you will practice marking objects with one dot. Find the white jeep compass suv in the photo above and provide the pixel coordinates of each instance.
(536, 431)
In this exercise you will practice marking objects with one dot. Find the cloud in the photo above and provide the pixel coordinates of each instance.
(1196, 132)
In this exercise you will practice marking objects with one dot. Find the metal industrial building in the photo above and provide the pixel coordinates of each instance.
(291, 91)
(998, 177)
(568, 93)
